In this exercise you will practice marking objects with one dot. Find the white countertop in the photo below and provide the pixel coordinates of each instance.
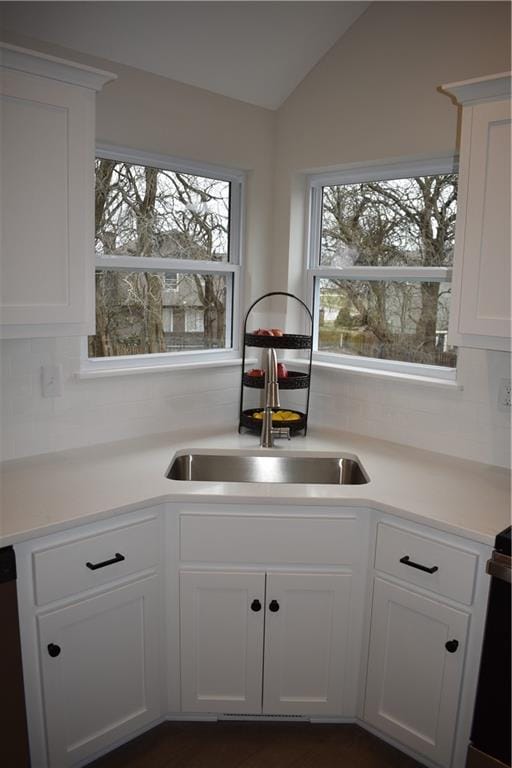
(52, 492)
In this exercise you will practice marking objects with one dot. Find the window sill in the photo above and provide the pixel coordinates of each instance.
(102, 373)
(375, 373)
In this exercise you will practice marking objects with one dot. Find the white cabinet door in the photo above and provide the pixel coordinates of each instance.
(306, 642)
(100, 670)
(47, 169)
(414, 678)
(222, 618)
(480, 315)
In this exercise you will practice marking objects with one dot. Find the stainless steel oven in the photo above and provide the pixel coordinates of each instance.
(491, 730)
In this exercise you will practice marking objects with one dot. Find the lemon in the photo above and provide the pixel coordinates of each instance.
(279, 415)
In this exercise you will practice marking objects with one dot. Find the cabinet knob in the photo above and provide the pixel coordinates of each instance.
(273, 606)
(53, 650)
(255, 606)
(451, 646)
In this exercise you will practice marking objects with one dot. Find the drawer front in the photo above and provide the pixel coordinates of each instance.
(451, 571)
(276, 539)
(73, 567)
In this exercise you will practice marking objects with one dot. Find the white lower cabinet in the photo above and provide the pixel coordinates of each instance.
(90, 605)
(306, 643)
(267, 611)
(221, 641)
(99, 661)
(415, 667)
(236, 624)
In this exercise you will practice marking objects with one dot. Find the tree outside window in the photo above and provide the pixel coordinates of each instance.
(147, 218)
(383, 267)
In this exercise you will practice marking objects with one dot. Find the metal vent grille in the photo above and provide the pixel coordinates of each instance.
(234, 716)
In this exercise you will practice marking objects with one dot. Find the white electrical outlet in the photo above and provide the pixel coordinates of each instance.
(51, 380)
(504, 396)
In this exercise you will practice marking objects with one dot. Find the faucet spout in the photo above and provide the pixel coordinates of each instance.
(268, 432)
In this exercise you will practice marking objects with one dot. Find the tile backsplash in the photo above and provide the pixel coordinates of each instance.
(99, 410)
(461, 422)
(465, 423)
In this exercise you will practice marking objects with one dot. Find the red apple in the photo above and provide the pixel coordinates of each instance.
(277, 332)
(256, 372)
(282, 371)
(265, 332)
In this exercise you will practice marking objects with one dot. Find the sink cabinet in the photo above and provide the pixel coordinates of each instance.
(294, 626)
(272, 607)
(221, 641)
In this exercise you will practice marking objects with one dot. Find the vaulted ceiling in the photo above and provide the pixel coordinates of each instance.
(257, 52)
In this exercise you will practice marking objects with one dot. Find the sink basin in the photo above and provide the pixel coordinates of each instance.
(254, 468)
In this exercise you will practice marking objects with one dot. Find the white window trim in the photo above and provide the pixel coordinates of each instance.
(96, 366)
(353, 174)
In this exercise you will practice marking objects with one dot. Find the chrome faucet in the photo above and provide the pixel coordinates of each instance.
(268, 432)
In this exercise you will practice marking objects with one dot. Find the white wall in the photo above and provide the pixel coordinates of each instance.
(373, 97)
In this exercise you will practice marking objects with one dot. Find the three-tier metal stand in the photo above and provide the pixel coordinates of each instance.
(294, 379)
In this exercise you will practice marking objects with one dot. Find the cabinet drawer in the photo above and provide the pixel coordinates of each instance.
(73, 567)
(276, 539)
(451, 571)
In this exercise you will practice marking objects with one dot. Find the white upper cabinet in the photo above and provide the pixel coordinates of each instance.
(47, 196)
(480, 315)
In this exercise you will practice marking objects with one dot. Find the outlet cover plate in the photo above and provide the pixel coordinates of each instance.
(504, 396)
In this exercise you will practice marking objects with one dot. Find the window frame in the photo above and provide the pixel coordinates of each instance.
(232, 269)
(354, 174)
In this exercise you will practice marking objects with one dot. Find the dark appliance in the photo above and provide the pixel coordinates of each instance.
(491, 731)
(13, 721)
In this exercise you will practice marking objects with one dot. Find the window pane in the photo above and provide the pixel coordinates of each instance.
(402, 222)
(405, 321)
(144, 211)
(140, 313)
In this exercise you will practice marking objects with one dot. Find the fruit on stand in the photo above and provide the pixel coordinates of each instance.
(286, 416)
(279, 415)
(256, 372)
(268, 332)
(282, 371)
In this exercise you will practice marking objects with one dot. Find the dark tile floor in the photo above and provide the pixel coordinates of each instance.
(255, 745)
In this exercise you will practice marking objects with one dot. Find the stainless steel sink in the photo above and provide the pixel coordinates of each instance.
(254, 468)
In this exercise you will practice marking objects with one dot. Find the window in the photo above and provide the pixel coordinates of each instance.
(167, 259)
(380, 258)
